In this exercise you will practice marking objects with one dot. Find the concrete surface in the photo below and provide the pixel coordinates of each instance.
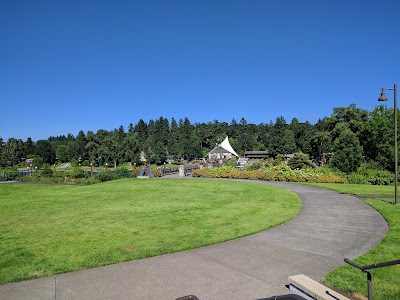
(330, 227)
(313, 288)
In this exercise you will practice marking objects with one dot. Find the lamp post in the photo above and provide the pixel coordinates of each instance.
(91, 170)
(384, 98)
(106, 167)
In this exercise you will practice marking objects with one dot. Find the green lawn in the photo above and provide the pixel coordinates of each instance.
(386, 281)
(49, 229)
(358, 189)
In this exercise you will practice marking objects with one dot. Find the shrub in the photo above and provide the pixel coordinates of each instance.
(254, 166)
(46, 171)
(327, 179)
(37, 160)
(135, 172)
(8, 174)
(33, 178)
(156, 172)
(299, 161)
(356, 178)
(77, 172)
(280, 158)
(268, 162)
(366, 173)
(121, 172)
(230, 163)
(103, 176)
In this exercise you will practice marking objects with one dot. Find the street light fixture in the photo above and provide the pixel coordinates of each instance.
(383, 97)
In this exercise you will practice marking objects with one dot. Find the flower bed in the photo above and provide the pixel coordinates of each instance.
(280, 172)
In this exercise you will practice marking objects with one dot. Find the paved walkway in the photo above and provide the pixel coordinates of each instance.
(331, 226)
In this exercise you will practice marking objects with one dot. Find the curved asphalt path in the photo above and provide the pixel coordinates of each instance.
(331, 226)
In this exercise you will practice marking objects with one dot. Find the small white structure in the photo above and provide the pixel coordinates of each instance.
(222, 151)
(143, 156)
(181, 171)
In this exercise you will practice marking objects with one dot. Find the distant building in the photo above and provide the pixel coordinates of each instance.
(29, 161)
(143, 156)
(256, 154)
(219, 153)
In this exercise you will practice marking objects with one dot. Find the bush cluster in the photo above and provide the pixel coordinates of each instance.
(46, 171)
(80, 176)
(369, 175)
(76, 172)
(118, 173)
(76, 175)
(40, 178)
(8, 174)
(280, 172)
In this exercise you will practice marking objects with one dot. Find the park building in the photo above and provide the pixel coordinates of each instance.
(256, 155)
(219, 153)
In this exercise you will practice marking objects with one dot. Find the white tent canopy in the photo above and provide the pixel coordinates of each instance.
(225, 145)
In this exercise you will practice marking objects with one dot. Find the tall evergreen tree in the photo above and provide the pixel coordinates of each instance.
(29, 147)
(141, 129)
(282, 139)
(45, 151)
(186, 150)
(81, 150)
(157, 140)
(174, 137)
(347, 155)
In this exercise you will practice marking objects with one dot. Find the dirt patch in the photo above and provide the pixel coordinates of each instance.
(128, 248)
(37, 273)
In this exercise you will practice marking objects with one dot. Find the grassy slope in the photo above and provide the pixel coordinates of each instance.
(386, 281)
(358, 189)
(50, 229)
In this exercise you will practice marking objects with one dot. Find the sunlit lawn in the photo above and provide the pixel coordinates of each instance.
(359, 189)
(51, 229)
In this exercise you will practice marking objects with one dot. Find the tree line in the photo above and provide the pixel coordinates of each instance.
(349, 137)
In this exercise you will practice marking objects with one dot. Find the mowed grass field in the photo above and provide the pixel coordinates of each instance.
(49, 229)
(358, 189)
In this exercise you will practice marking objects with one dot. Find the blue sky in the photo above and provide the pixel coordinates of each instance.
(73, 65)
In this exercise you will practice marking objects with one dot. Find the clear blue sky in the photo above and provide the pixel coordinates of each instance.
(74, 65)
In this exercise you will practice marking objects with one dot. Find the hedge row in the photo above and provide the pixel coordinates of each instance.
(80, 176)
(276, 173)
(371, 176)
